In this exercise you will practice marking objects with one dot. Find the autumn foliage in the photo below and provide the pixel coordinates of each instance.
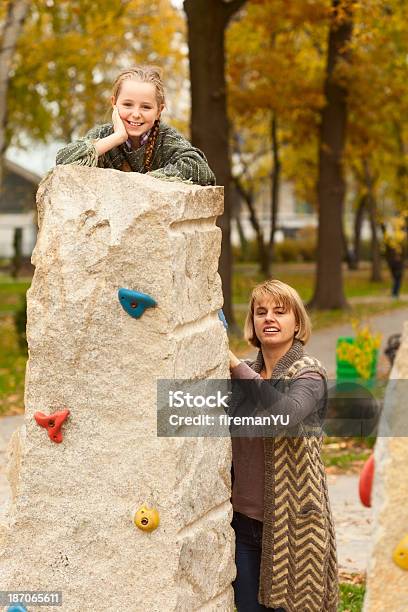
(277, 69)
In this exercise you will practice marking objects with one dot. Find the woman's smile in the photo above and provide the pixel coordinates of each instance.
(274, 324)
(270, 330)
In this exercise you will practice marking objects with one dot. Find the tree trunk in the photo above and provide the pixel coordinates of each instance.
(236, 214)
(358, 224)
(329, 292)
(17, 252)
(276, 172)
(207, 21)
(11, 29)
(347, 254)
(376, 275)
(372, 213)
(262, 247)
(402, 170)
(243, 242)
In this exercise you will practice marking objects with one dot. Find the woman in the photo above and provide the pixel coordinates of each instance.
(285, 544)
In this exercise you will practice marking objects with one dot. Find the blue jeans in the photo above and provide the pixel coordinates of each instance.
(248, 548)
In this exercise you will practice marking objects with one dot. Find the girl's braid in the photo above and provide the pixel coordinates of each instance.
(151, 143)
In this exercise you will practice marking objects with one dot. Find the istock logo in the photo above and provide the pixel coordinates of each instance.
(179, 399)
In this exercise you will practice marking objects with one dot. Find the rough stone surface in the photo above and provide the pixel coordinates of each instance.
(387, 583)
(70, 526)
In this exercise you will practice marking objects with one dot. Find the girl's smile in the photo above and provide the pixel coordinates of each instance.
(138, 107)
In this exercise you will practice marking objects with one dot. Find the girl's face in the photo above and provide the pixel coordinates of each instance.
(274, 326)
(137, 106)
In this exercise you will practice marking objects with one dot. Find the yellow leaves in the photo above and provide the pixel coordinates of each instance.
(274, 57)
(361, 353)
(71, 51)
(277, 53)
(395, 234)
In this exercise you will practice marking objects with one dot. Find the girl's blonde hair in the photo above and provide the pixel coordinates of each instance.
(282, 295)
(144, 74)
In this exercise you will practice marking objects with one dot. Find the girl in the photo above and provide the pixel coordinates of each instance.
(136, 140)
(285, 545)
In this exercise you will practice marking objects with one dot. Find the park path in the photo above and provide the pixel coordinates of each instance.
(323, 342)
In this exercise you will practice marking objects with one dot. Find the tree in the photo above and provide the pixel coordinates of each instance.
(277, 54)
(275, 186)
(251, 168)
(377, 110)
(275, 91)
(70, 51)
(11, 28)
(207, 21)
(329, 292)
(251, 171)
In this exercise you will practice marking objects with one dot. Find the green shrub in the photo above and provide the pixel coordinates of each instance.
(249, 255)
(290, 250)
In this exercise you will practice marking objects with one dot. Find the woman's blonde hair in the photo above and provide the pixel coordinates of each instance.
(145, 74)
(283, 295)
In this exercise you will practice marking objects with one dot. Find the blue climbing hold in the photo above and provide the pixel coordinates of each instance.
(17, 608)
(134, 302)
(222, 318)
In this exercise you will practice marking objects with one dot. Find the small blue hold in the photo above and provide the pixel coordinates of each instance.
(134, 302)
(16, 608)
(222, 318)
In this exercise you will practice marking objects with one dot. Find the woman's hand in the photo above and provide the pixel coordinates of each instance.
(118, 126)
(234, 361)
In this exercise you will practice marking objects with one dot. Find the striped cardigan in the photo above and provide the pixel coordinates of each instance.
(299, 561)
(174, 158)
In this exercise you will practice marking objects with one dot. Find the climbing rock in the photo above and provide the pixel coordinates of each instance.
(387, 584)
(70, 523)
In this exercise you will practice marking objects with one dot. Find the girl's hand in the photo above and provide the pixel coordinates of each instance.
(234, 361)
(118, 126)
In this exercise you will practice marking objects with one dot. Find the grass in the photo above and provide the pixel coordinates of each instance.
(11, 293)
(301, 276)
(346, 454)
(12, 369)
(12, 357)
(351, 597)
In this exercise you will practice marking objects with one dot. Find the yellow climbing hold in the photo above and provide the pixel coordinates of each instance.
(147, 519)
(400, 555)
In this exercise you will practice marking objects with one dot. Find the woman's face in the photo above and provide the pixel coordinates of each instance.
(274, 326)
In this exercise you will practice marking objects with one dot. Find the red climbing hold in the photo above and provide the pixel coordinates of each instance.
(52, 423)
(366, 482)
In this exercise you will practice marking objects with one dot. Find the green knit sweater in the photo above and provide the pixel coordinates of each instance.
(174, 158)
